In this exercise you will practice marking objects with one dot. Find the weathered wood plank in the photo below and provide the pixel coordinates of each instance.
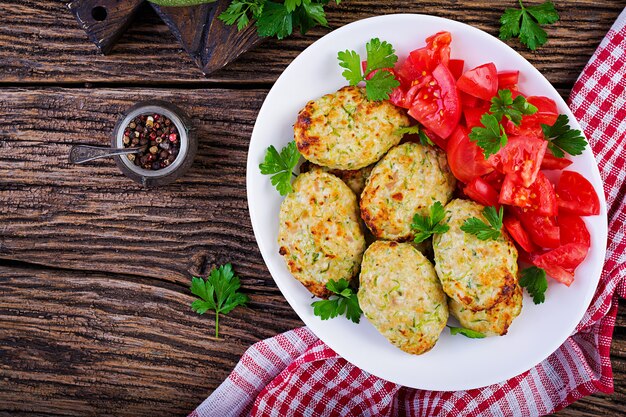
(91, 217)
(43, 43)
(83, 344)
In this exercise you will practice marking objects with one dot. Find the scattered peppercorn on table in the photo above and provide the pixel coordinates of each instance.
(95, 315)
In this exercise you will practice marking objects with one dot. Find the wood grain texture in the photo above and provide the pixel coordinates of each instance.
(94, 270)
(57, 50)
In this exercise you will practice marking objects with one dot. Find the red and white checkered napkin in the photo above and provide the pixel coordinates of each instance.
(295, 374)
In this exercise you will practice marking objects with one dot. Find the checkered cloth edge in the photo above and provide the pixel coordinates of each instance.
(295, 374)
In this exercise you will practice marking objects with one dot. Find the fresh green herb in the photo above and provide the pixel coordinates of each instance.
(562, 138)
(472, 334)
(425, 226)
(535, 281)
(275, 18)
(345, 302)
(180, 3)
(424, 139)
(504, 105)
(280, 166)
(218, 293)
(408, 130)
(491, 137)
(380, 55)
(526, 23)
(483, 231)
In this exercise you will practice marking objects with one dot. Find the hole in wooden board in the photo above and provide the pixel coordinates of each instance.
(99, 13)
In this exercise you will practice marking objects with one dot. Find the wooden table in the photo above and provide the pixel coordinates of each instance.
(95, 271)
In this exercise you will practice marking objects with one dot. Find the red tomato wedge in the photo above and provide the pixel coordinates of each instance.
(520, 159)
(482, 192)
(436, 105)
(547, 111)
(576, 195)
(561, 262)
(573, 230)
(473, 114)
(456, 67)
(481, 82)
(542, 230)
(539, 197)
(508, 80)
(421, 62)
(517, 232)
(465, 158)
(551, 162)
(495, 179)
(468, 101)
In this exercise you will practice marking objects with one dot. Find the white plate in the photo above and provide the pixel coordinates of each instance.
(456, 362)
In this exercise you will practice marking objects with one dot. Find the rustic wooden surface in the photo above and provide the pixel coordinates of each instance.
(94, 271)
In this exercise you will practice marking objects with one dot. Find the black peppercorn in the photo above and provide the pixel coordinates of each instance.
(159, 137)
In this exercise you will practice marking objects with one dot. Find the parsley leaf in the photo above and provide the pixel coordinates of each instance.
(345, 302)
(472, 334)
(475, 226)
(562, 138)
(424, 139)
(425, 226)
(280, 166)
(535, 281)
(241, 11)
(504, 105)
(526, 22)
(273, 18)
(218, 293)
(380, 55)
(491, 137)
(408, 130)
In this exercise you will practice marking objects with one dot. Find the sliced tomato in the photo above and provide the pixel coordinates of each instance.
(551, 162)
(482, 192)
(470, 101)
(473, 114)
(573, 230)
(524, 129)
(481, 82)
(561, 262)
(520, 159)
(539, 197)
(437, 105)
(507, 79)
(576, 195)
(542, 230)
(442, 143)
(456, 67)
(517, 232)
(421, 62)
(465, 158)
(495, 179)
(547, 111)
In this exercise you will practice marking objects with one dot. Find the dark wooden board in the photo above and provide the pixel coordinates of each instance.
(94, 271)
(56, 50)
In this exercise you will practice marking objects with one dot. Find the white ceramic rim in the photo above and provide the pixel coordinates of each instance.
(351, 341)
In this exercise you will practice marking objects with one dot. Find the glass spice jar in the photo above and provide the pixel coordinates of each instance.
(174, 144)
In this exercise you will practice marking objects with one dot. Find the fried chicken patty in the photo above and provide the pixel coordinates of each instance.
(401, 296)
(407, 181)
(320, 236)
(476, 273)
(344, 130)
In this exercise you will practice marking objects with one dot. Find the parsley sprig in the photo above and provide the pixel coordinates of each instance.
(344, 302)
(380, 55)
(280, 166)
(425, 226)
(504, 105)
(219, 292)
(526, 23)
(535, 281)
(415, 130)
(491, 137)
(275, 18)
(562, 138)
(482, 230)
(472, 334)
